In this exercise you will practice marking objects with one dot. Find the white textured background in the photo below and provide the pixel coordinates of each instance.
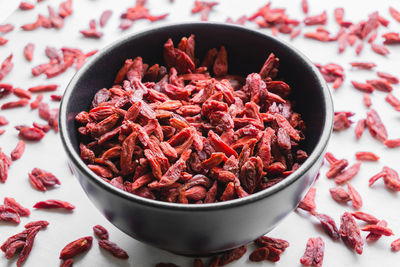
(296, 228)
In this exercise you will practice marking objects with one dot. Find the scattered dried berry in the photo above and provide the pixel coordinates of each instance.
(54, 204)
(314, 254)
(308, 202)
(365, 155)
(76, 247)
(350, 233)
(100, 232)
(18, 150)
(368, 218)
(113, 248)
(395, 245)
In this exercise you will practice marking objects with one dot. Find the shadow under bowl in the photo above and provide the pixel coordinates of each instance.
(205, 228)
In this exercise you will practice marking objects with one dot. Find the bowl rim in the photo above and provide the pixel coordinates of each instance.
(313, 157)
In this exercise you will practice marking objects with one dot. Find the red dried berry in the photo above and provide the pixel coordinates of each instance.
(43, 88)
(329, 225)
(26, 250)
(348, 174)
(367, 100)
(12, 203)
(304, 6)
(365, 155)
(365, 87)
(368, 218)
(76, 247)
(339, 194)
(42, 224)
(314, 254)
(371, 237)
(355, 196)
(26, 6)
(363, 65)
(260, 254)
(232, 255)
(395, 245)
(113, 248)
(31, 134)
(67, 263)
(375, 126)
(100, 232)
(9, 214)
(350, 233)
(381, 85)
(28, 51)
(380, 49)
(105, 16)
(377, 229)
(53, 204)
(392, 143)
(389, 77)
(316, 20)
(393, 101)
(6, 28)
(308, 202)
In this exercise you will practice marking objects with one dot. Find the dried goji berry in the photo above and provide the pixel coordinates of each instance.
(314, 254)
(308, 202)
(11, 202)
(350, 233)
(54, 204)
(100, 232)
(76, 247)
(113, 248)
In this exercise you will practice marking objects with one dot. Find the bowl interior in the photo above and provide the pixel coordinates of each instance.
(247, 51)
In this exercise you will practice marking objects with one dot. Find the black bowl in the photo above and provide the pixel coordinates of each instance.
(203, 228)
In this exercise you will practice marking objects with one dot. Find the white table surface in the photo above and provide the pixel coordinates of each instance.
(296, 228)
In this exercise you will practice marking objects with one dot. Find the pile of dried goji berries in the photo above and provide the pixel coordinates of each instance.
(178, 134)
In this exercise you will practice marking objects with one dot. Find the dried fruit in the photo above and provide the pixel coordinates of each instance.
(105, 16)
(204, 8)
(308, 202)
(366, 155)
(314, 254)
(316, 20)
(100, 232)
(368, 218)
(329, 225)
(365, 87)
(389, 77)
(8, 214)
(350, 233)
(54, 204)
(371, 237)
(340, 194)
(348, 173)
(363, 65)
(395, 245)
(377, 229)
(113, 248)
(12, 203)
(26, 250)
(355, 196)
(232, 255)
(375, 126)
(28, 51)
(76, 247)
(259, 254)
(41, 179)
